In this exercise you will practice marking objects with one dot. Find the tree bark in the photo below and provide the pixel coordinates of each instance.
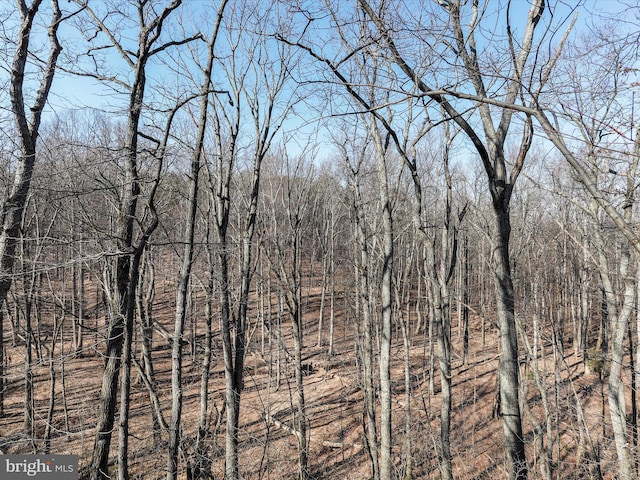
(145, 367)
(119, 318)
(386, 443)
(202, 463)
(363, 290)
(466, 298)
(509, 383)
(301, 422)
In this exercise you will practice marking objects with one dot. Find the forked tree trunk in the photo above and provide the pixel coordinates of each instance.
(118, 321)
(120, 328)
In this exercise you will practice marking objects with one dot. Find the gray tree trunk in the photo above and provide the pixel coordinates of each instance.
(119, 317)
(363, 290)
(302, 422)
(202, 463)
(146, 371)
(386, 441)
(618, 319)
(616, 395)
(120, 328)
(27, 128)
(500, 187)
(184, 278)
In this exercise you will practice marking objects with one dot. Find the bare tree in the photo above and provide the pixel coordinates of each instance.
(597, 109)
(27, 119)
(150, 43)
(442, 263)
(386, 465)
(255, 77)
(356, 165)
(289, 202)
(188, 253)
(501, 181)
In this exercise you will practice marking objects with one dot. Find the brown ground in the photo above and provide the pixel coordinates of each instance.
(334, 409)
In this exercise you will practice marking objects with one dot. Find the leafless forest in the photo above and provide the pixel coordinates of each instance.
(364, 239)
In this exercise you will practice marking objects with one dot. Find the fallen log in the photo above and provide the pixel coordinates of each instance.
(272, 421)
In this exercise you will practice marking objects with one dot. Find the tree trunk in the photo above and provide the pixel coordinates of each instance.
(443, 326)
(2, 361)
(232, 389)
(146, 370)
(119, 318)
(465, 300)
(52, 395)
(323, 296)
(184, 278)
(27, 128)
(202, 463)
(616, 394)
(301, 422)
(29, 414)
(386, 444)
(363, 289)
(407, 399)
(125, 378)
(509, 383)
(120, 329)
(107, 405)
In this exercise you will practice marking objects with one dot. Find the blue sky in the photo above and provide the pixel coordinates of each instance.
(73, 92)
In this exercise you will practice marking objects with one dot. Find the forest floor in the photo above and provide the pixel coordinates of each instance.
(577, 401)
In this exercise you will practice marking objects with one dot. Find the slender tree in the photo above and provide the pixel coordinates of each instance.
(597, 108)
(289, 203)
(150, 43)
(356, 164)
(27, 118)
(501, 181)
(188, 253)
(255, 76)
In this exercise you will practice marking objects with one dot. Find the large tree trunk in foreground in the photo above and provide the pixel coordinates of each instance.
(509, 383)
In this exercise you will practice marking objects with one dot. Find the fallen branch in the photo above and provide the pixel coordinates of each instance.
(272, 421)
